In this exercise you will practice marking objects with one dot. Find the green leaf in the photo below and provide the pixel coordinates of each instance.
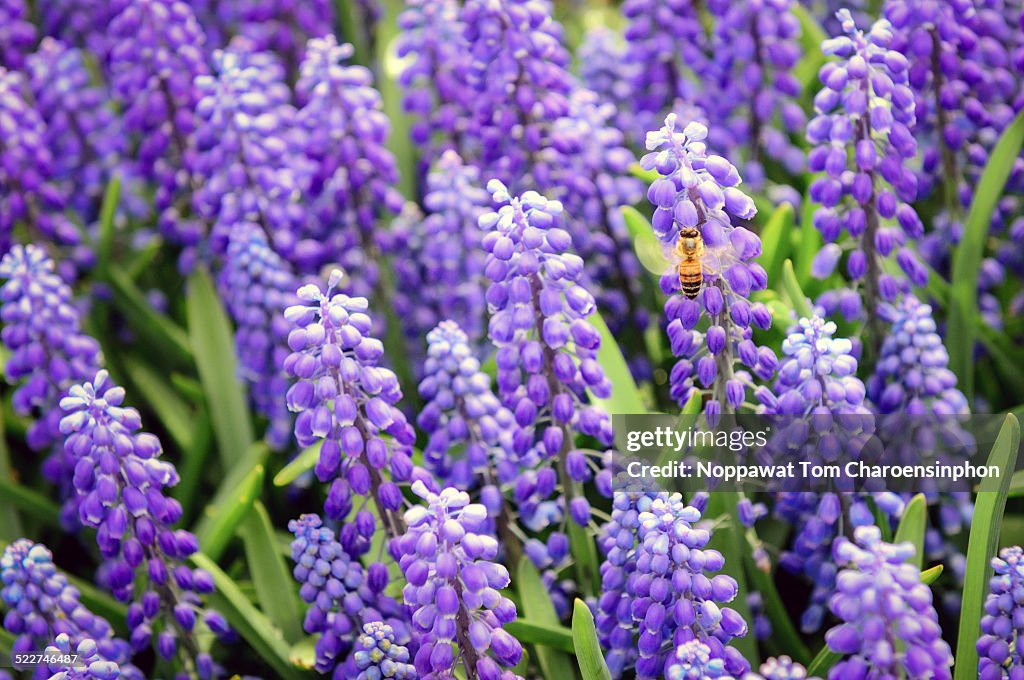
(302, 463)
(646, 245)
(823, 662)
(29, 501)
(647, 176)
(303, 653)
(584, 552)
(230, 505)
(625, 397)
(811, 37)
(214, 348)
(783, 630)
(775, 240)
(10, 521)
(533, 633)
(108, 210)
(728, 540)
(793, 291)
(968, 254)
(982, 544)
(164, 338)
(263, 637)
(158, 393)
(275, 588)
(930, 576)
(809, 243)
(588, 649)
(537, 606)
(912, 526)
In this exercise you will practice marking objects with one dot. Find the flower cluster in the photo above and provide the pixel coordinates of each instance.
(998, 648)
(249, 161)
(341, 594)
(156, 51)
(781, 668)
(470, 432)
(655, 582)
(82, 132)
(120, 481)
(696, 199)
(547, 350)
(912, 374)
(284, 26)
(817, 378)
(42, 606)
(29, 194)
(89, 662)
(257, 284)
(432, 35)
(667, 47)
(453, 587)
(379, 656)
(889, 626)
(352, 183)
(591, 178)
(862, 143)
(605, 71)
(519, 84)
(347, 402)
(17, 34)
(440, 269)
(754, 48)
(48, 353)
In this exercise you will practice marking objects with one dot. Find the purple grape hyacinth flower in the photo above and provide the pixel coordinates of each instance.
(751, 93)
(42, 605)
(433, 40)
(284, 26)
(470, 432)
(912, 374)
(440, 268)
(89, 663)
(341, 595)
(347, 402)
(249, 159)
(453, 587)
(876, 636)
(17, 34)
(378, 656)
(257, 284)
(667, 47)
(519, 84)
(657, 592)
(121, 483)
(817, 377)
(862, 143)
(48, 354)
(538, 307)
(780, 668)
(156, 52)
(82, 132)
(354, 173)
(999, 651)
(29, 194)
(701, 191)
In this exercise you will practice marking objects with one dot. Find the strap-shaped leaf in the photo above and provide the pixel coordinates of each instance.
(588, 648)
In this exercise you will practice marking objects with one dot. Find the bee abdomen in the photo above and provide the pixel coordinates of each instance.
(690, 284)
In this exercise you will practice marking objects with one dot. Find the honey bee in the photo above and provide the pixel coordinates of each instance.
(690, 251)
